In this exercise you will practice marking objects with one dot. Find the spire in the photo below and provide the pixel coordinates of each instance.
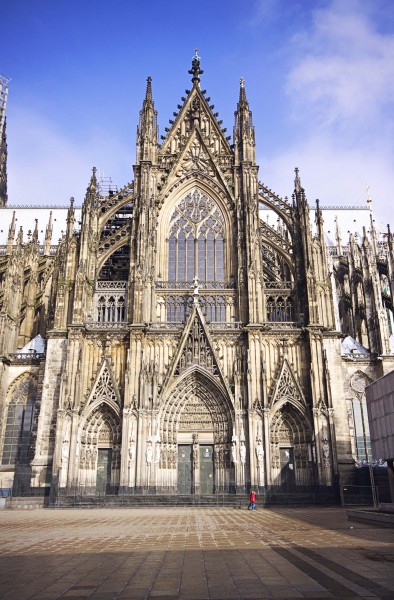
(242, 94)
(147, 132)
(374, 235)
(11, 234)
(338, 236)
(195, 70)
(19, 238)
(93, 181)
(70, 219)
(297, 181)
(319, 221)
(48, 235)
(244, 139)
(148, 93)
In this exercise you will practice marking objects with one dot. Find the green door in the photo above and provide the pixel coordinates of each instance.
(185, 464)
(206, 470)
(287, 472)
(103, 480)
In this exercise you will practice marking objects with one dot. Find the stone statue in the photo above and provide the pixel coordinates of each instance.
(234, 452)
(131, 451)
(243, 453)
(259, 452)
(149, 452)
(157, 451)
(326, 452)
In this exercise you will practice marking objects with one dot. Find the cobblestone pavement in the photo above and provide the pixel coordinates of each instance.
(193, 554)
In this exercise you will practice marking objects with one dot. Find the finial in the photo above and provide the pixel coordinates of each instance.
(242, 92)
(71, 201)
(297, 180)
(195, 70)
(148, 95)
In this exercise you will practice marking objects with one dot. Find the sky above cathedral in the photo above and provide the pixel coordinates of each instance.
(319, 77)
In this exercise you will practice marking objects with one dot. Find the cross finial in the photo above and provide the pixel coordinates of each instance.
(242, 82)
(195, 70)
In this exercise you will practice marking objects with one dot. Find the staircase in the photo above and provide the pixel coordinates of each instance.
(145, 501)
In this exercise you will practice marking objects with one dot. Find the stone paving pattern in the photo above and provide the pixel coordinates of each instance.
(193, 554)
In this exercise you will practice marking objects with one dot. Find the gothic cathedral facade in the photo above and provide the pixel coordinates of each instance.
(179, 342)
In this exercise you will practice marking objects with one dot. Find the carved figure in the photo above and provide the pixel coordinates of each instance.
(326, 452)
(149, 452)
(157, 451)
(242, 452)
(260, 452)
(234, 452)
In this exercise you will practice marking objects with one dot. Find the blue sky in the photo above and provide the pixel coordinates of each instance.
(319, 79)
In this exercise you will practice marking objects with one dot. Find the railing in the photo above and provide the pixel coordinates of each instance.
(111, 285)
(41, 249)
(231, 325)
(202, 285)
(281, 325)
(27, 356)
(106, 325)
(278, 285)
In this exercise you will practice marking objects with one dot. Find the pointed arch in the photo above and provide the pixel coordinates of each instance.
(222, 228)
(20, 420)
(196, 402)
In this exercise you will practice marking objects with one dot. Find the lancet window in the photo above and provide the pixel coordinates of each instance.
(20, 422)
(196, 241)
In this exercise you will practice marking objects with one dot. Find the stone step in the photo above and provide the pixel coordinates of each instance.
(146, 500)
(25, 503)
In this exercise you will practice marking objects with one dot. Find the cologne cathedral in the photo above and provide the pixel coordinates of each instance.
(192, 333)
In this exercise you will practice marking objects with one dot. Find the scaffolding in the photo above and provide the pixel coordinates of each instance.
(4, 81)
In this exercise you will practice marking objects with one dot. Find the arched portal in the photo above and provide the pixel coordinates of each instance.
(196, 430)
(291, 447)
(99, 451)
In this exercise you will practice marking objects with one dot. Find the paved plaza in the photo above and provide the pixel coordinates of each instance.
(193, 554)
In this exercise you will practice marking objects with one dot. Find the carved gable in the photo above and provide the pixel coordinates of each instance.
(287, 388)
(196, 349)
(104, 388)
(195, 113)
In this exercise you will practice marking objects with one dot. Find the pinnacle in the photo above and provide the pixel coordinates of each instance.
(242, 92)
(148, 94)
(195, 70)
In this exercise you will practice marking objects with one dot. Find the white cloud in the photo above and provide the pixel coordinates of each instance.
(47, 167)
(335, 175)
(340, 98)
(344, 67)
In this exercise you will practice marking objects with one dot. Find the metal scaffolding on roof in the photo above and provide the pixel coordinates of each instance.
(4, 81)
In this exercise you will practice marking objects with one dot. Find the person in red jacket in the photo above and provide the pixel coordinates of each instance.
(252, 500)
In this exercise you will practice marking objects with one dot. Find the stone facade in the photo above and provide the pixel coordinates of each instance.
(191, 345)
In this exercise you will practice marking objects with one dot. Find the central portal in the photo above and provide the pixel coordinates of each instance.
(206, 470)
(185, 468)
(196, 472)
(103, 480)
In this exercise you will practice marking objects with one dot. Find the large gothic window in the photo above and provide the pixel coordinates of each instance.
(20, 422)
(196, 241)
